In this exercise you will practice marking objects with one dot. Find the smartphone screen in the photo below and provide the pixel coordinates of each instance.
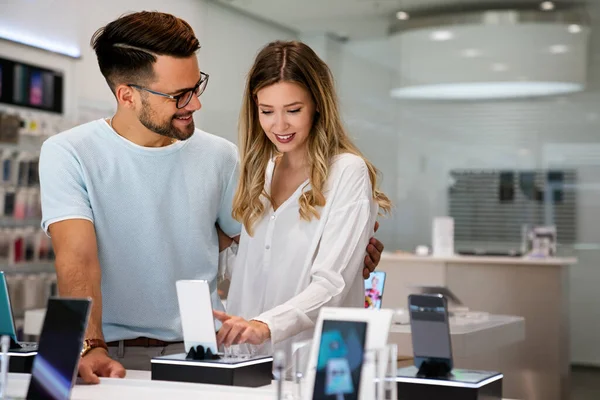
(197, 320)
(7, 326)
(430, 330)
(55, 366)
(340, 359)
(374, 289)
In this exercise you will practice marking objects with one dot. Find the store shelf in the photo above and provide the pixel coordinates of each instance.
(8, 222)
(28, 143)
(28, 268)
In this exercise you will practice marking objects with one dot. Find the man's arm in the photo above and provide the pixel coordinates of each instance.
(77, 267)
(79, 275)
(374, 250)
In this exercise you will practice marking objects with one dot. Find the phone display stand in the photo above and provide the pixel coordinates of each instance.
(458, 385)
(434, 378)
(213, 369)
(21, 360)
(13, 345)
(433, 369)
(199, 353)
(200, 363)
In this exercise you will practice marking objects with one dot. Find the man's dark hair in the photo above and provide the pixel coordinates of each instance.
(127, 47)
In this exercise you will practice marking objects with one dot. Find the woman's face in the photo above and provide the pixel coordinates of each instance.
(286, 114)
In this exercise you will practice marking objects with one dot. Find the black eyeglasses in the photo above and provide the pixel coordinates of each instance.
(182, 99)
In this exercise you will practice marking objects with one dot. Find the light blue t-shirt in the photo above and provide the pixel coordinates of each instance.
(154, 211)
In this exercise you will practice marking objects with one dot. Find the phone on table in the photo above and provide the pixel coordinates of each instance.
(197, 321)
(55, 366)
(430, 331)
(374, 285)
(340, 359)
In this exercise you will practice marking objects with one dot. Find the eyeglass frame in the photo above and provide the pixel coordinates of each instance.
(203, 79)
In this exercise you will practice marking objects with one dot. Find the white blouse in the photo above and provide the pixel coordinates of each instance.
(291, 268)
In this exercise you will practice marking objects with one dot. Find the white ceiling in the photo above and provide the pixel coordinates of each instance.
(355, 19)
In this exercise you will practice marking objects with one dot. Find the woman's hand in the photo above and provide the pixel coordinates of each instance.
(237, 330)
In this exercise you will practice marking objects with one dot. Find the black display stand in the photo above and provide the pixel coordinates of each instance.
(458, 384)
(198, 353)
(199, 366)
(21, 360)
(433, 369)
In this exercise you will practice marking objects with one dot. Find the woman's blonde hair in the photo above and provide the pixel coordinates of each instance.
(291, 62)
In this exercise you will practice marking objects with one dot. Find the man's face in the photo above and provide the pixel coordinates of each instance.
(160, 114)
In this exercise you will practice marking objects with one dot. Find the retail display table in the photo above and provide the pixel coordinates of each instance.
(137, 385)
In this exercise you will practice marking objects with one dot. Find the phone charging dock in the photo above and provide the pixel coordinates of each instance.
(20, 360)
(247, 372)
(459, 385)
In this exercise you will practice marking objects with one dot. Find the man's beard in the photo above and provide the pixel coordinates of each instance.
(165, 129)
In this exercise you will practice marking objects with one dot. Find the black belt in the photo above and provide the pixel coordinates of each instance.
(141, 342)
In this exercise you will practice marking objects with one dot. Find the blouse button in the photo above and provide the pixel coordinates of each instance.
(267, 247)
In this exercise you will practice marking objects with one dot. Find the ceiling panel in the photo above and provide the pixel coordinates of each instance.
(355, 19)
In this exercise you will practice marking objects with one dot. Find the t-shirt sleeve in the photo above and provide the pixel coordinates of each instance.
(63, 188)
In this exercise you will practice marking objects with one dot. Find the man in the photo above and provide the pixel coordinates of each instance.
(131, 203)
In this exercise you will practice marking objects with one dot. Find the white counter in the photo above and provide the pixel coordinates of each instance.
(554, 261)
(533, 288)
(470, 337)
(137, 385)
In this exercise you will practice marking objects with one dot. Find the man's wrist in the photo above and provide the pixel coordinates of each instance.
(98, 350)
(92, 344)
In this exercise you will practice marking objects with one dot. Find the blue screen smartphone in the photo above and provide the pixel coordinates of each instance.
(340, 359)
(374, 285)
(7, 325)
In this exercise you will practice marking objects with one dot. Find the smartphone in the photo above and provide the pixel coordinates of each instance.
(340, 359)
(374, 285)
(430, 330)
(55, 366)
(197, 321)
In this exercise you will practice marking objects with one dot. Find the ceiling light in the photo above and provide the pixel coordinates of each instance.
(402, 15)
(441, 36)
(559, 49)
(471, 53)
(574, 28)
(485, 90)
(454, 73)
(547, 6)
(28, 39)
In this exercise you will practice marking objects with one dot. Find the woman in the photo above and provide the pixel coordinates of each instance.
(307, 199)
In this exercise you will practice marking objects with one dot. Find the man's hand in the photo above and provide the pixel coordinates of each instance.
(97, 363)
(374, 250)
(237, 330)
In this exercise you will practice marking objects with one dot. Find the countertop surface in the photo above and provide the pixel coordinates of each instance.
(137, 385)
(476, 322)
(409, 257)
